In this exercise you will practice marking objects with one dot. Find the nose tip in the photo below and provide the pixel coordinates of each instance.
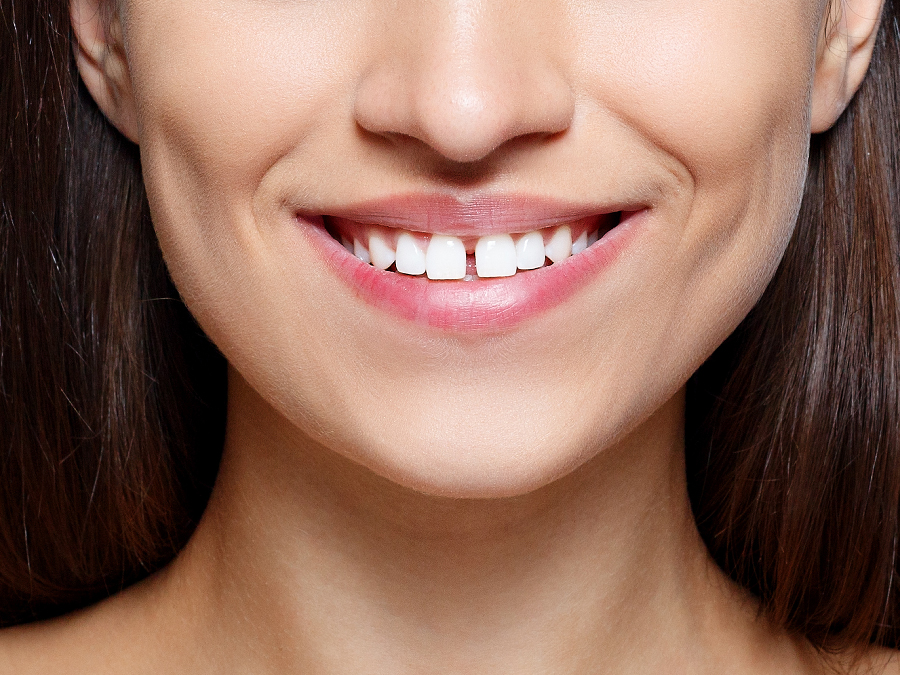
(460, 123)
(466, 105)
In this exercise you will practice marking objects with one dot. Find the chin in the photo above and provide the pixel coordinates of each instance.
(474, 468)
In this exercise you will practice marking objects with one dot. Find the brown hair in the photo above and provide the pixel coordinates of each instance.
(112, 401)
(794, 423)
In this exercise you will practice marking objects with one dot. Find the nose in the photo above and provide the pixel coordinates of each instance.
(464, 77)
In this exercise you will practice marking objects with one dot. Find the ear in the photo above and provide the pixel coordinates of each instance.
(100, 56)
(844, 52)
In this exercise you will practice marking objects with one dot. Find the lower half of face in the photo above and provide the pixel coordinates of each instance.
(470, 244)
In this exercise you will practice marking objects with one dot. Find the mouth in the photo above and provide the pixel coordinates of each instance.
(447, 257)
(464, 267)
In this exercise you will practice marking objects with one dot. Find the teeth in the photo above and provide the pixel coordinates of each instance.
(560, 245)
(446, 257)
(361, 251)
(580, 244)
(383, 255)
(410, 255)
(495, 256)
(530, 251)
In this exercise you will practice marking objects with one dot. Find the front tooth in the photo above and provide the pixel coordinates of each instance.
(410, 256)
(446, 257)
(361, 251)
(495, 256)
(580, 244)
(346, 243)
(383, 255)
(530, 251)
(560, 245)
(593, 237)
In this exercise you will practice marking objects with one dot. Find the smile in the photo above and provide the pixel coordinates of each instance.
(468, 268)
(447, 257)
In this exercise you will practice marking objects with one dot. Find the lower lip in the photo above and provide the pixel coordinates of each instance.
(472, 306)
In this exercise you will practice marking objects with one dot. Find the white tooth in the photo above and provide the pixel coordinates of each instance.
(346, 243)
(580, 244)
(446, 257)
(383, 255)
(593, 237)
(361, 251)
(530, 251)
(495, 256)
(560, 245)
(410, 256)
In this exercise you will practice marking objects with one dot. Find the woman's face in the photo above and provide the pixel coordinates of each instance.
(271, 129)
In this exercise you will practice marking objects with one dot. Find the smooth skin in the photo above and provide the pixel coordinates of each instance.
(397, 499)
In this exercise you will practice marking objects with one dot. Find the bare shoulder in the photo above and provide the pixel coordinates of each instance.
(878, 661)
(28, 649)
(105, 638)
(69, 645)
(869, 661)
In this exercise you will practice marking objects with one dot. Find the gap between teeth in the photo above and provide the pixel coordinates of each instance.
(444, 257)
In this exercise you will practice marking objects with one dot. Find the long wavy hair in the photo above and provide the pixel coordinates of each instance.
(112, 401)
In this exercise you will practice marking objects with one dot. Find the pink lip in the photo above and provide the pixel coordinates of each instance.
(473, 217)
(481, 305)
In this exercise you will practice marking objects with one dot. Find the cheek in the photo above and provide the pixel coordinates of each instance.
(711, 84)
(224, 93)
(230, 86)
(721, 91)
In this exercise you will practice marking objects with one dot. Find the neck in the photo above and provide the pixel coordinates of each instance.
(321, 566)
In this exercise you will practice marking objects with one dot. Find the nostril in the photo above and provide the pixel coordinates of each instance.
(379, 104)
(465, 111)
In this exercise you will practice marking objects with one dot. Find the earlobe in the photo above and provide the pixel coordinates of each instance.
(100, 56)
(844, 52)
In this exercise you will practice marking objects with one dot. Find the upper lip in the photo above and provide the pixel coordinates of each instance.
(477, 216)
